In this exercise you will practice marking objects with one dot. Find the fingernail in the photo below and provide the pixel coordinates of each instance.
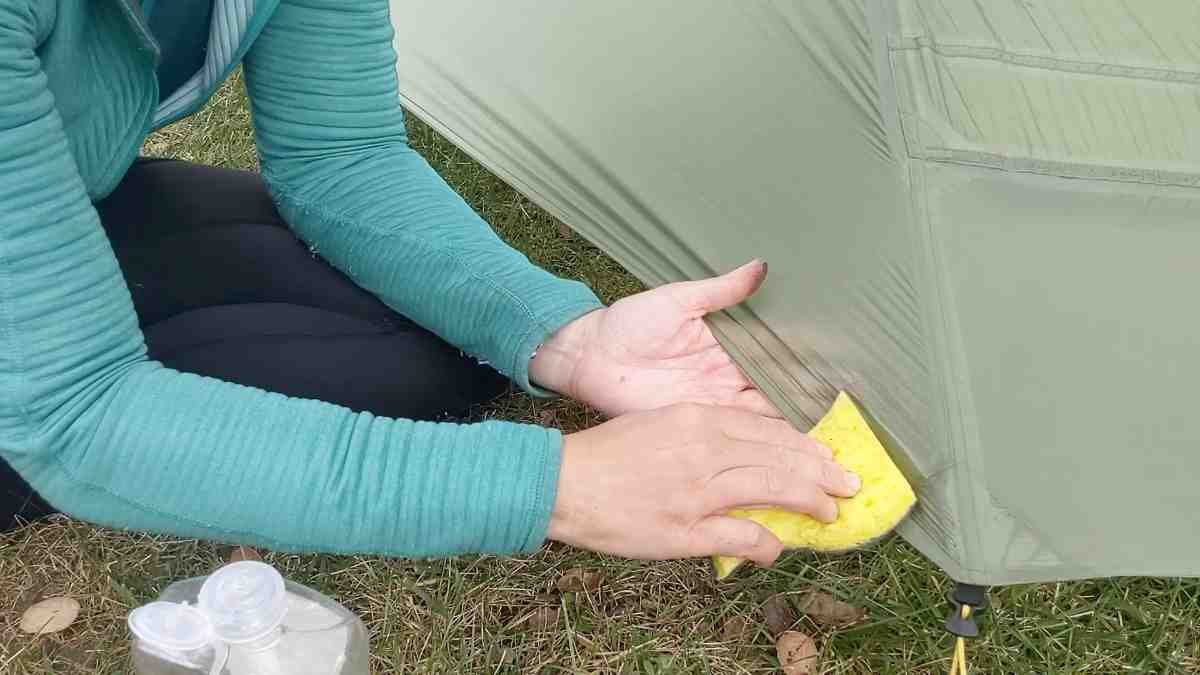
(761, 277)
(831, 512)
(853, 481)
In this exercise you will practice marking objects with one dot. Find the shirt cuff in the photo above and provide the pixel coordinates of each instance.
(539, 332)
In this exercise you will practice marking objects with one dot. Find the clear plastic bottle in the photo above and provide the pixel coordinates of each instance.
(246, 619)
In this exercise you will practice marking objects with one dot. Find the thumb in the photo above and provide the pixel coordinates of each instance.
(726, 290)
(738, 538)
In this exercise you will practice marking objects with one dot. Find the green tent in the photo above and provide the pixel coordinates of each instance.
(982, 220)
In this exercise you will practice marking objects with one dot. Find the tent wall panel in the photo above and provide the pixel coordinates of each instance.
(981, 220)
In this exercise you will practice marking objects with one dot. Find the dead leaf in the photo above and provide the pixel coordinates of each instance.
(778, 615)
(244, 553)
(738, 634)
(542, 619)
(797, 654)
(50, 615)
(549, 418)
(735, 628)
(579, 579)
(827, 610)
(564, 231)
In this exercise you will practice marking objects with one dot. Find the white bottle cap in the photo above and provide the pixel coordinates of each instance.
(244, 601)
(169, 625)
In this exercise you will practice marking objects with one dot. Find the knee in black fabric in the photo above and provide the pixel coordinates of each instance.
(222, 287)
(237, 264)
(403, 372)
(162, 196)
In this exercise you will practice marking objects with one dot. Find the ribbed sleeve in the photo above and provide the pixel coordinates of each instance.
(111, 437)
(330, 131)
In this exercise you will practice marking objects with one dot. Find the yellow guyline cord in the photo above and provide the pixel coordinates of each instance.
(958, 666)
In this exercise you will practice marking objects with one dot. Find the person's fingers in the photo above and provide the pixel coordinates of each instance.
(754, 401)
(802, 491)
(717, 293)
(724, 380)
(754, 427)
(836, 480)
(715, 356)
(738, 537)
(728, 377)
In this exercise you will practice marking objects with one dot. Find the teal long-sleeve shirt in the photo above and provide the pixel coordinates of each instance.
(112, 437)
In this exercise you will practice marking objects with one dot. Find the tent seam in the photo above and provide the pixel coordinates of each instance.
(1045, 62)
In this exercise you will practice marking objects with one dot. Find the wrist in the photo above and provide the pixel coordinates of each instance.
(554, 365)
(562, 513)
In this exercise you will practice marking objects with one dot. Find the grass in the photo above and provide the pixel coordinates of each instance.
(473, 615)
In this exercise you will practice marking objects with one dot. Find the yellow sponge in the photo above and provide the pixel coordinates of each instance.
(883, 501)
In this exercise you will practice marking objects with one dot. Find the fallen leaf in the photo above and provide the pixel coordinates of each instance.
(828, 610)
(778, 615)
(737, 633)
(244, 553)
(549, 418)
(50, 615)
(542, 619)
(578, 580)
(564, 231)
(797, 654)
(735, 628)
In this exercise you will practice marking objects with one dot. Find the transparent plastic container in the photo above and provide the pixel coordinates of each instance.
(246, 619)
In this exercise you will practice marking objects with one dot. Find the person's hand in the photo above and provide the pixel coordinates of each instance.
(653, 349)
(656, 485)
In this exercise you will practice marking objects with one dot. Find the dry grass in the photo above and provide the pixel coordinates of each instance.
(472, 615)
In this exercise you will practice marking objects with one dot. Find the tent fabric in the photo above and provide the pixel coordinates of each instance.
(982, 221)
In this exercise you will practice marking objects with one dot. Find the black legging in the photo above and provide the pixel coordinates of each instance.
(223, 288)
